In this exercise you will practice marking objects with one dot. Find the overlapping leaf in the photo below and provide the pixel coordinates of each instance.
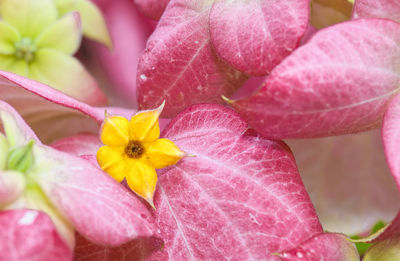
(254, 36)
(339, 82)
(377, 9)
(239, 196)
(179, 64)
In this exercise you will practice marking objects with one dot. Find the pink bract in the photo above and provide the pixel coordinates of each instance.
(254, 36)
(239, 197)
(377, 8)
(179, 64)
(239, 192)
(339, 82)
(29, 235)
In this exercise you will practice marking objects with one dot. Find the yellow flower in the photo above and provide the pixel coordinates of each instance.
(133, 151)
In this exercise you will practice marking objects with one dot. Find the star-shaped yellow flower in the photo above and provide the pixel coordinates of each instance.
(133, 151)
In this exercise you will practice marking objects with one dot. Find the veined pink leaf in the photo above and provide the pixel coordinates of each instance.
(377, 9)
(326, 247)
(50, 113)
(239, 197)
(348, 181)
(29, 235)
(339, 82)
(152, 8)
(138, 249)
(254, 36)
(179, 64)
(97, 206)
(129, 31)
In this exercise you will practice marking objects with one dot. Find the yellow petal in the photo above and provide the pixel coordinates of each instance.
(144, 125)
(112, 161)
(162, 153)
(114, 131)
(142, 179)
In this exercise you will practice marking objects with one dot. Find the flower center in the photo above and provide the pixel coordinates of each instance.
(25, 49)
(134, 149)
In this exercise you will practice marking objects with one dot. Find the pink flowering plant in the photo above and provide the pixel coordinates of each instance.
(179, 167)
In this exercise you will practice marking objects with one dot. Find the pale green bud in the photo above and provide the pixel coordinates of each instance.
(21, 159)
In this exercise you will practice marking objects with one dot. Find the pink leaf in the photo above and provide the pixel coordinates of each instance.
(348, 181)
(239, 197)
(129, 31)
(28, 235)
(377, 9)
(18, 130)
(79, 145)
(326, 247)
(339, 82)
(138, 249)
(99, 208)
(254, 36)
(391, 138)
(179, 64)
(152, 8)
(50, 113)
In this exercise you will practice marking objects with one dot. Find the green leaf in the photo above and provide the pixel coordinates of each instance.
(29, 17)
(64, 35)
